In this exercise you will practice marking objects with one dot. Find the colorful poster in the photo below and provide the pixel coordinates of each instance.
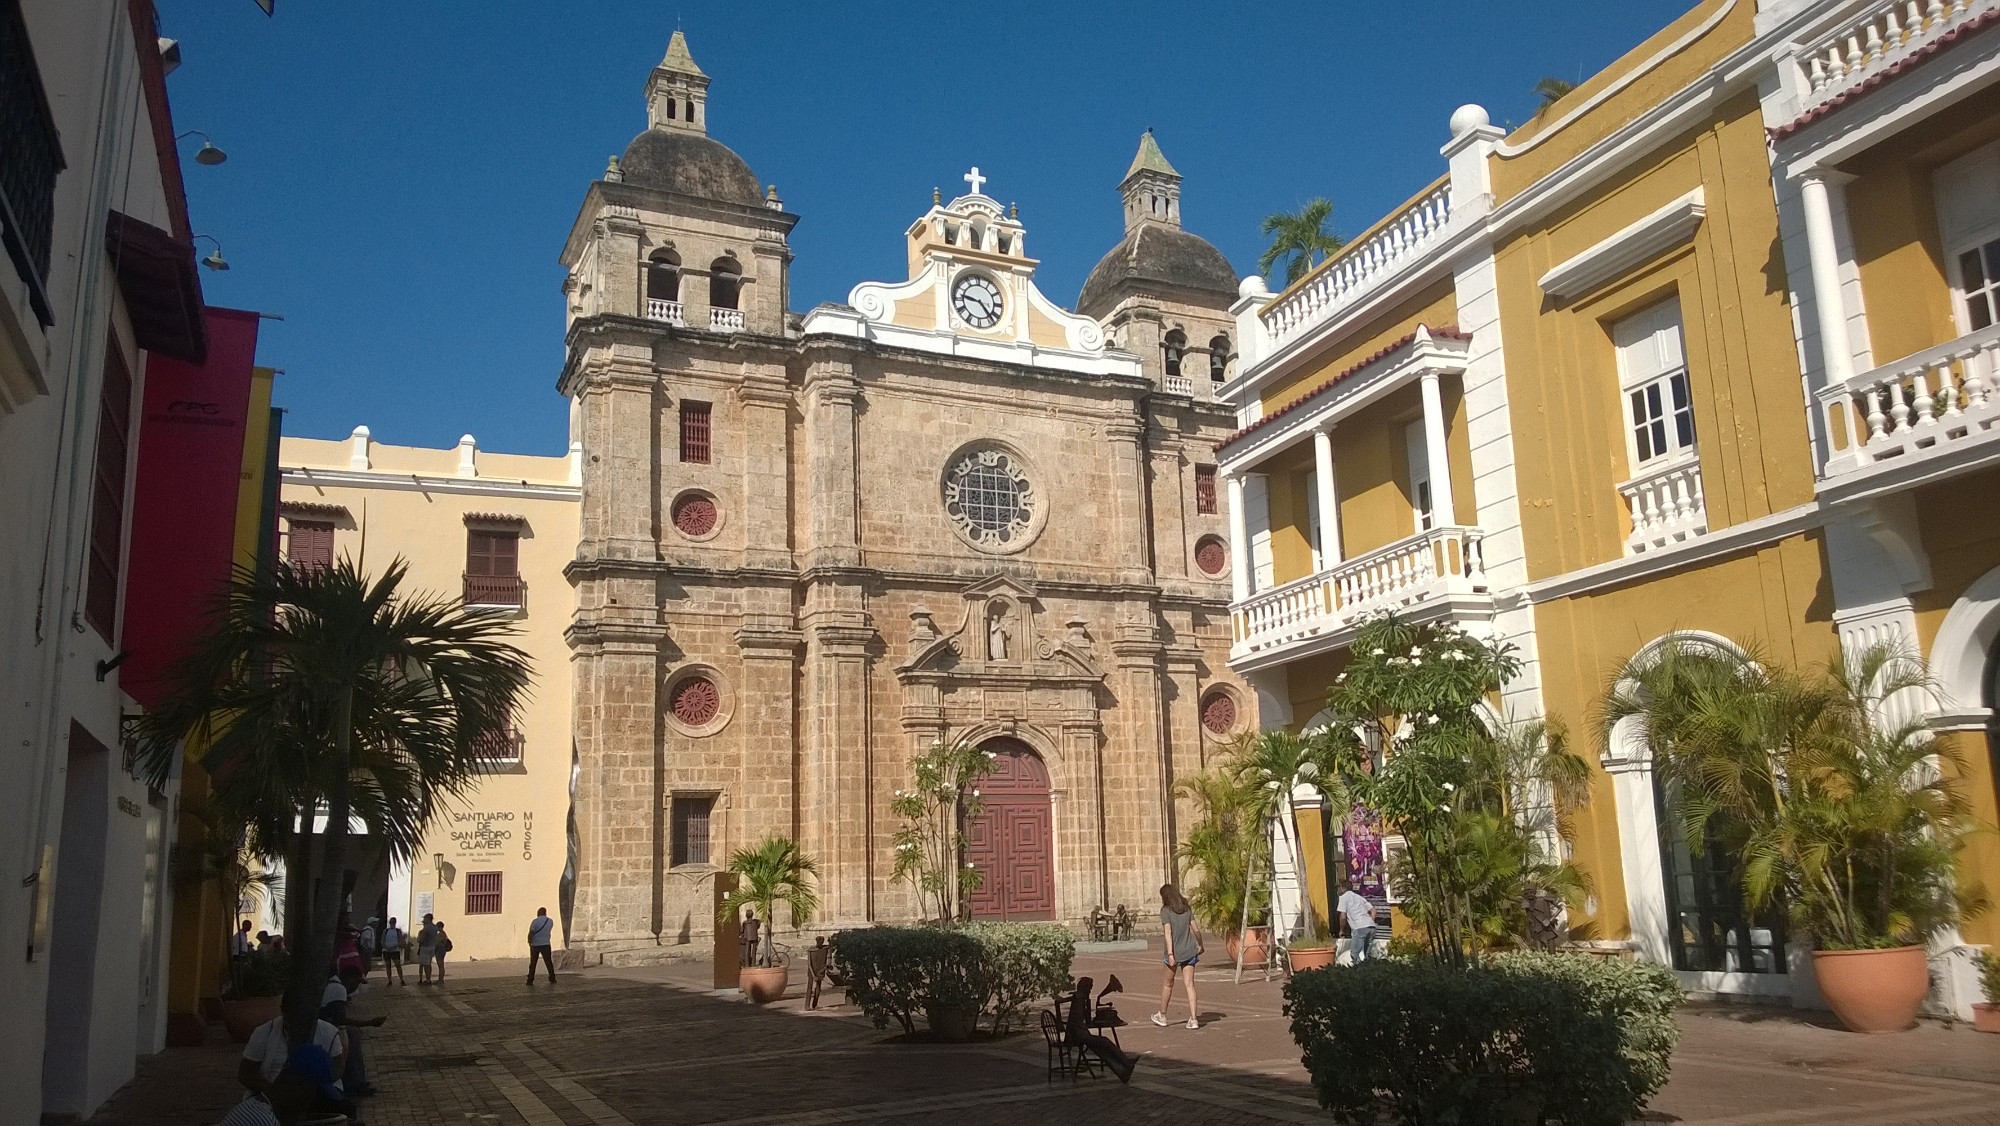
(1361, 839)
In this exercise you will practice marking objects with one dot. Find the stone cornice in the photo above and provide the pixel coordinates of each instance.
(427, 483)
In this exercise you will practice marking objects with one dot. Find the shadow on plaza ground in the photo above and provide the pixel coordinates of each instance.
(651, 1045)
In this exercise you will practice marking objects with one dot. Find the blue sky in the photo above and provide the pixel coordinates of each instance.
(402, 174)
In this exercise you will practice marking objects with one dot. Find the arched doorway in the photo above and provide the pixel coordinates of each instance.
(1011, 840)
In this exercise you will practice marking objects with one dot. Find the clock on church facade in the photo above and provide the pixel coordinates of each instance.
(948, 508)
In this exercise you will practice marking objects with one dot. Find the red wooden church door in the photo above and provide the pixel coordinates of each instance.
(1011, 841)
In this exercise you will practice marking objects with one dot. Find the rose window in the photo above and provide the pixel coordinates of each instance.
(1218, 713)
(1210, 555)
(696, 701)
(695, 515)
(988, 495)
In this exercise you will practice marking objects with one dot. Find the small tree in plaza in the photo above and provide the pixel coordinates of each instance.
(1271, 768)
(1226, 849)
(774, 871)
(1482, 811)
(943, 793)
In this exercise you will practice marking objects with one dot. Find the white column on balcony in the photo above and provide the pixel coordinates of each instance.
(1823, 255)
(1239, 541)
(1329, 500)
(1442, 511)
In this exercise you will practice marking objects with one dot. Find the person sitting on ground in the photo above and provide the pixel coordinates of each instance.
(333, 1009)
(265, 1055)
(1078, 1033)
(306, 1087)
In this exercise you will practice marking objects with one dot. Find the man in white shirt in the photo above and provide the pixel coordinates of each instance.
(1360, 917)
(265, 1055)
(541, 941)
(333, 1009)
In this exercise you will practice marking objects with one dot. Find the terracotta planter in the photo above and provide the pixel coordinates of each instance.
(242, 1015)
(1311, 959)
(1256, 951)
(950, 1023)
(1986, 1016)
(1873, 990)
(764, 984)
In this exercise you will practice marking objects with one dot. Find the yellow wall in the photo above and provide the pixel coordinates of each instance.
(1776, 601)
(427, 528)
(1513, 176)
(1892, 214)
(1569, 422)
(1436, 307)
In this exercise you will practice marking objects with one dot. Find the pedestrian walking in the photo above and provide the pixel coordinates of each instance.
(1359, 914)
(439, 948)
(541, 938)
(426, 950)
(392, 952)
(1181, 946)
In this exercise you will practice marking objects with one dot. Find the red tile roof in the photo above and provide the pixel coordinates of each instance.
(1901, 66)
(1446, 332)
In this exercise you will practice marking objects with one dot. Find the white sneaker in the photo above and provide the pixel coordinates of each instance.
(1193, 1023)
(1160, 1019)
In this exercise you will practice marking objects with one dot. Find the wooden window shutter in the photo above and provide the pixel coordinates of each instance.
(310, 544)
(695, 432)
(107, 510)
(482, 893)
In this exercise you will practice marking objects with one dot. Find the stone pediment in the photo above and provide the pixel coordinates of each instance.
(1001, 633)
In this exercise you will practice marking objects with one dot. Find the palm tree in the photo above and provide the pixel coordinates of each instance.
(318, 691)
(773, 872)
(1271, 767)
(1551, 91)
(1300, 240)
(1226, 846)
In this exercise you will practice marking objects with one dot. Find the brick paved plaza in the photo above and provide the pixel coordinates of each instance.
(607, 1047)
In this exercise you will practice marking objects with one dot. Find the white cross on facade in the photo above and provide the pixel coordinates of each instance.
(974, 178)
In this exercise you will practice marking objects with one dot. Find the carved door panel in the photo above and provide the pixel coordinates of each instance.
(1030, 864)
(1011, 842)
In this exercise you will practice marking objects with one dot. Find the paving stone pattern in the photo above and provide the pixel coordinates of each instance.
(650, 1045)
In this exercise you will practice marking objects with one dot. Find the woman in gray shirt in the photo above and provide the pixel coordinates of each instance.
(1182, 946)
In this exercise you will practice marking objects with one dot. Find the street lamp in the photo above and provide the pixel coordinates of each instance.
(215, 260)
(208, 154)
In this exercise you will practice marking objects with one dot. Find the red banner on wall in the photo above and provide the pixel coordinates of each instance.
(184, 499)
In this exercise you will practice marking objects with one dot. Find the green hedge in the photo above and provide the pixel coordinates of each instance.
(996, 969)
(1519, 1037)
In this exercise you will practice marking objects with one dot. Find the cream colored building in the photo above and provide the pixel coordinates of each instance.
(497, 530)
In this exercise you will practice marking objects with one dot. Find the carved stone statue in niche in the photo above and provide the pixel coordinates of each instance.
(997, 633)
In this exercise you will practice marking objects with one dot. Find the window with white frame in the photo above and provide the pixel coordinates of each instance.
(1968, 210)
(1419, 451)
(1653, 376)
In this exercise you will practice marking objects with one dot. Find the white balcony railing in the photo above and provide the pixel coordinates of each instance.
(1344, 277)
(1665, 504)
(726, 320)
(1882, 35)
(1918, 407)
(659, 309)
(1432, 564)
(1180, 385)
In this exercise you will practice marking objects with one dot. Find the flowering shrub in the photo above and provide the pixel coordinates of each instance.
(944, 790)
(1525, 1037)
(996, 969)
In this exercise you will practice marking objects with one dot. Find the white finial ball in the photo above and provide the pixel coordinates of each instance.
(1468, 117)
(467, 440)
(360, 432)
(1252, 286)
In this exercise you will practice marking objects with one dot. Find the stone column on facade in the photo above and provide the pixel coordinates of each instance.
(765, 308)
(1329, 500)
(1182, 712)
(1129, 537)
(619, 803)
(1443, 512)
(833, 394)
(1241, 572)
(1823, 257)
(1168, 484)
(765, 803)
(838, 806)
(1137, 784)
(619, 287)
(620, 449)
(765, 503)
(1082, 875)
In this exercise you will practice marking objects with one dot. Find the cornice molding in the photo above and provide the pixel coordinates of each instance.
(425, 483)
(1629, 248)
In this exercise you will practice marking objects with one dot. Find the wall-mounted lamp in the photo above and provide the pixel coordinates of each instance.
(215, 260)
(106, 668)
(170, 55)
(207, 154)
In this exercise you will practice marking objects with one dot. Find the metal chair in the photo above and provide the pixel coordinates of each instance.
(1066, 1058)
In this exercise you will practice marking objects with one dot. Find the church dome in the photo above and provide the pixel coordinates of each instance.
(690, 163)
(1161, 254)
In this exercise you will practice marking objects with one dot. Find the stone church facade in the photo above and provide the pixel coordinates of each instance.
(812, 546)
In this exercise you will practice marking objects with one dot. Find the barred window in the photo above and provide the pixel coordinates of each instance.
(482, 893)
(694, 432)
(1204, 490)
(690, 828)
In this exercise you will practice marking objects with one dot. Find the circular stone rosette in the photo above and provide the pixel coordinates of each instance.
(697, 701)
(991, 496)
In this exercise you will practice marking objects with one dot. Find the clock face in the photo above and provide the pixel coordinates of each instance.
(976, 300)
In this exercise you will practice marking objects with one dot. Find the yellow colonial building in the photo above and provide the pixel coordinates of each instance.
(1705, 348)
(497, 530)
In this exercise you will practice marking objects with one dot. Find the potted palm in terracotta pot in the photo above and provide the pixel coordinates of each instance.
(1843, 816)
(1986, 1015)
(1226, 856)
(1313, 950)
(772, 872)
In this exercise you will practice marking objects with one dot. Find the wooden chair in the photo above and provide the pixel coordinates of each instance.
(1066, 1058)
(1121, 924)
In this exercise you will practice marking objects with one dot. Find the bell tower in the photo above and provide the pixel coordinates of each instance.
(677, 92)
(1151, 187)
